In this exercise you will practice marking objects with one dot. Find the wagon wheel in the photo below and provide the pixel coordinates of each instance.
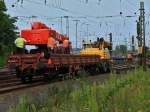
(76, 73)
(30, 74)
(53, 75)
(23, 76)
(18, 72)
(46, 78)
(30, 77)
(50, 75)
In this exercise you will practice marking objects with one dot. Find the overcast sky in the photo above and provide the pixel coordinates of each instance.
(93, 12)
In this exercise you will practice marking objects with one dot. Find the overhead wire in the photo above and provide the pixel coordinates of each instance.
(131, 5)
(87, 17)
(48, 5)
(39, 3)
(97, 2)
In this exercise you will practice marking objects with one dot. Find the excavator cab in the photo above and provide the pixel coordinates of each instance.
(86, 45)
(100, 48)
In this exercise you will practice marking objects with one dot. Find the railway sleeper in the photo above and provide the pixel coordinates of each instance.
(119, 70)
(26, 74)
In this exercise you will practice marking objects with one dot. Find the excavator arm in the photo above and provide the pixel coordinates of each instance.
(103, 45)
(107, 45)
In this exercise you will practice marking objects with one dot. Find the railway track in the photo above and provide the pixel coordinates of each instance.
(9, 82)
(123, 68)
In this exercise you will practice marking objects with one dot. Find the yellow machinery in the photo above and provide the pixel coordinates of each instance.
(96, 48)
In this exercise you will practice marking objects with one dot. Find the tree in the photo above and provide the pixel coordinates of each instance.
(121, 50)
(7, 27)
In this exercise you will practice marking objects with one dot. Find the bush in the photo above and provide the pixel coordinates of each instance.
(4, 51)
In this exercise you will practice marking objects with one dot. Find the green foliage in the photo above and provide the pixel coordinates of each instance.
(7, 27)
(148, 53)
(130, 93)
(2, 6)
(4, 51)
(7, 33)
(121, 50)
(2, 60)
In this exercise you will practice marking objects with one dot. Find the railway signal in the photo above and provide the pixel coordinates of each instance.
(133, 46)
(67, 25)
(110, 37)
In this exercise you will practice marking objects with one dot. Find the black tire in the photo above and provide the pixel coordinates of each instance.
(105, 67)
(93, 70)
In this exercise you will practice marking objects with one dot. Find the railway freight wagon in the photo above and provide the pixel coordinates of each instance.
(29, 65)
(93, 58)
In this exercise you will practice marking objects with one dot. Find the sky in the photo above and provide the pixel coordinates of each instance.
(102, 17)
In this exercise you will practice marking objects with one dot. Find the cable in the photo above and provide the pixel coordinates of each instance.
(48, 5)
(86, 17)
(132, 5)
(66, 10)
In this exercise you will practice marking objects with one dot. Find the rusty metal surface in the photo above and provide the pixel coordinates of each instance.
(33, 60)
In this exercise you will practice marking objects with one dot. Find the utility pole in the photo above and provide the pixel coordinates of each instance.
(67, 25)
(76, 32)
(126, 44)
(139, 38)
(132, 42)
(111, 45)
(142, 21)
(81, 39)
(61, 25)
(45, 2)
(149, 43)
(87, 31)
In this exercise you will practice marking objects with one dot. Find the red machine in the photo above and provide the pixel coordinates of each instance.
(36, 37)
(39, 35)
(39, 25)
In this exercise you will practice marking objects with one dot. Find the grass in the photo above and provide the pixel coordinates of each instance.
(128, 93)
(2, 60)
(4, 52)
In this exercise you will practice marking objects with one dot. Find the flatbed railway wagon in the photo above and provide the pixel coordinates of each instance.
(93, 57)
(29, 65)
